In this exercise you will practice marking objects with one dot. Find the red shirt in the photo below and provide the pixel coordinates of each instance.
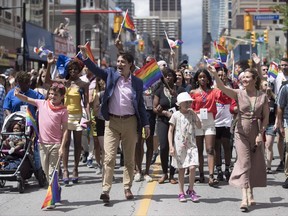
(208, 100)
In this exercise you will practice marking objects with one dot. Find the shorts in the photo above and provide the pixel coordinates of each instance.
(223, 132)
(74, 122)
(208, 126)
(270, 130)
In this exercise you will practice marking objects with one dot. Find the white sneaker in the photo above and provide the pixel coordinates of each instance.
(137, 177)
(148, 178)
(98, 168)
(51, 207)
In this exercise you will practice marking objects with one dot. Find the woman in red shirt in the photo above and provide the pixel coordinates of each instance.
(204, 104)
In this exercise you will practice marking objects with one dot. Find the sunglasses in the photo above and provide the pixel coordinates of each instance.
(265, 69)
(187, 73)
(58, 85)
(284, 65)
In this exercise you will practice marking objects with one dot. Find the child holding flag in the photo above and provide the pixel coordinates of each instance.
(182, 144)
(53, 118)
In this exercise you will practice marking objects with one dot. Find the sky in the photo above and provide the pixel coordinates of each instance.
(191, 26)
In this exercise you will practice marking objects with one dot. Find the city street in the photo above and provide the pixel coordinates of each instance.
(150, 198)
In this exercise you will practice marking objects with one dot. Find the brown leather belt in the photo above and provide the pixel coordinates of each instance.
(120, 117)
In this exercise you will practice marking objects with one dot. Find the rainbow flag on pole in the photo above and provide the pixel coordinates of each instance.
(30, 121)
(128, 23)
(89, 52)
(222, 52)
(273, 70)
(149, 73)
(53, 192)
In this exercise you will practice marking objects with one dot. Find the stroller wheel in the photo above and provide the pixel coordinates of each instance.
(2, 183)
(21, 186)
(41, 178)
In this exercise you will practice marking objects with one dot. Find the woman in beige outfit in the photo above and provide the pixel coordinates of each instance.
(250, 169)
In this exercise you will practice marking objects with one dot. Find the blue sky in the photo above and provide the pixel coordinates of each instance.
(191, 26)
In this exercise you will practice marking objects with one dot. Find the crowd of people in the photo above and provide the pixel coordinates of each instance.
(99, 109)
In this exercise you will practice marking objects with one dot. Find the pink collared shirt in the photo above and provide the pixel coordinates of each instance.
(120, 102)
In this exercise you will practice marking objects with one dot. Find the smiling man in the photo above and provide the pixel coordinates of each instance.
(124, 111)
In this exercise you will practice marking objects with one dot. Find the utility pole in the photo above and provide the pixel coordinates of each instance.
(78, 24)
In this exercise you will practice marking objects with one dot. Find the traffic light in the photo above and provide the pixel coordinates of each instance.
(248, 22)
(141, 45)
(253, 38)
(117, 23)
(266, 38)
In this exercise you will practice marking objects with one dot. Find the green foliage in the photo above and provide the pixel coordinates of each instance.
(283, 10)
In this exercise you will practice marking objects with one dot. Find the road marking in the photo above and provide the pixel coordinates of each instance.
(149, 190)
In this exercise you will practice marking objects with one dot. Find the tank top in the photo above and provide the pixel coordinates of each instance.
(73, 100)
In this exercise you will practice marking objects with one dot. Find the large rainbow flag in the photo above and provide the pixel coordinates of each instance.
(128, 23)
(30, 121)
(273, 70)
(53, 192)
(222, 52)
(149, 73)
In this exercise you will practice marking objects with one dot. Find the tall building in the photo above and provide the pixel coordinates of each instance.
(169, 13)
(126, 4)
(166, 9)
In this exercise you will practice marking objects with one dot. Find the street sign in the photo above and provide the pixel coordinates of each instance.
(266, 17)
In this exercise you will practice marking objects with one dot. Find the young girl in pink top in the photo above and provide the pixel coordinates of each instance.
(53, 118)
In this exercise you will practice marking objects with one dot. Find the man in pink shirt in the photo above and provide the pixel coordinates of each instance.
(124, 111)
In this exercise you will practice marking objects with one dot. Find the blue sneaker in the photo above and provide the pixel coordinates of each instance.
(90, 163)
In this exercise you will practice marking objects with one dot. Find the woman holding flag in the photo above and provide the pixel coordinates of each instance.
(76, 95)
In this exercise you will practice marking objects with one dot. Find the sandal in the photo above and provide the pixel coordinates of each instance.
(75, 176)
(212, 181)
(65, 178)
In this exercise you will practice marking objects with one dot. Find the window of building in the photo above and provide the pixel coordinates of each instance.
(277, 39)
(172, 5)
(87, 35)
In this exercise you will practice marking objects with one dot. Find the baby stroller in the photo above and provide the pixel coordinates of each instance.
(18, 166)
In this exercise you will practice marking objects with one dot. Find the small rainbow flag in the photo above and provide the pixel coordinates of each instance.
(222, 51)
(273, 70)
(41, 51)
(89, 52)
(53, 194)
(30, 121)
(149, 73)
(128, 23)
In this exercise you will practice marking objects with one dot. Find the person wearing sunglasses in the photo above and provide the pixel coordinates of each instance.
(76, 95)
(124, 111)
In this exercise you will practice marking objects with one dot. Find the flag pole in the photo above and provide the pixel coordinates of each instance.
(168, 40)
(56, 167)
(122, 25)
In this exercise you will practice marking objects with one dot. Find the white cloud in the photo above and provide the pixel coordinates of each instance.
(191, 26)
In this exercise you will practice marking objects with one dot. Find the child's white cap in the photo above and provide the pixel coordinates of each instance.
(182, 97)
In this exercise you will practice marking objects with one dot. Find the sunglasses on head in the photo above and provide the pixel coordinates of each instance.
(58, 85)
